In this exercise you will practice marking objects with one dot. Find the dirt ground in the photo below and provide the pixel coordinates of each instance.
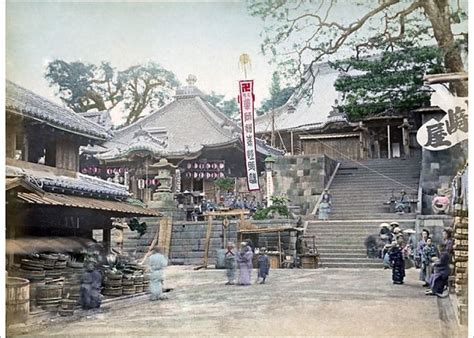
(322, 302)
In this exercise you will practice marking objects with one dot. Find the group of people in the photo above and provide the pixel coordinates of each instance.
(243, 258)
(401, 251)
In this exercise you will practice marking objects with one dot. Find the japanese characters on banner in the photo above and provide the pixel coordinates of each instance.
(450, 130)
(269, 179)
(246, 100)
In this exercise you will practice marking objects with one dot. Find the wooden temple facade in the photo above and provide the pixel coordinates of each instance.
(319, 128)
(199, 140)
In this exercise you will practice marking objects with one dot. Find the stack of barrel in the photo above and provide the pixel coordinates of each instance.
(112, 284)
(72, 280)
(49, 296)
(138, 277)
(32, 270)
(128, 283)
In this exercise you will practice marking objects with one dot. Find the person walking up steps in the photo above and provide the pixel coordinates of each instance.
(325, 206)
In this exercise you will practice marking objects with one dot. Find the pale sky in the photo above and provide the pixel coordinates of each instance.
(204, 39)
(200, 38)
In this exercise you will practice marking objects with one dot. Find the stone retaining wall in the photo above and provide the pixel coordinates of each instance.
(188, 240)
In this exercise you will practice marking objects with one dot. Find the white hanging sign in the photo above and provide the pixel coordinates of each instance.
(246, 100)
(450, 130)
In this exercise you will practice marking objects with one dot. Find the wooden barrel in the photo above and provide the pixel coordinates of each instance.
(274, 261)
(309, 261)
(48, 292)
(17, 299)
(33, 292)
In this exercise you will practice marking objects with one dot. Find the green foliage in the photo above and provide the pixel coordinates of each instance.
(278, 96)
(279, 205)
(394, 80)
(83, 86)
(135, 225)
(224, 183)
(228, 107)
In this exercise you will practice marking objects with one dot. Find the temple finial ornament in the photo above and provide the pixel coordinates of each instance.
(191, 80)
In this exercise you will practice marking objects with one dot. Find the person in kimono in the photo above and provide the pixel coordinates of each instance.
(439, 279)
(325, 206)
(402, 205)
(429, 251)
(419, 251)
(157, 262)
(397, 261)
(244, 259)
(91, 282)
(230, 263)
(448, 242)
(263, 264)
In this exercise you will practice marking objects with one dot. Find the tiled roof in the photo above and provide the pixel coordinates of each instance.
(187, 123)
(24, 102)
(315, 113)
(102, 118)
(82, 184)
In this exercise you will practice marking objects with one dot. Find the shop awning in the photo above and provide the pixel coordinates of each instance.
(87, 203)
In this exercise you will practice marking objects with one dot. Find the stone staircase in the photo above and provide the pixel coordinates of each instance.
(358, 193)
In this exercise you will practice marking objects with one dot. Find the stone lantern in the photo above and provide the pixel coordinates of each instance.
(163, 198)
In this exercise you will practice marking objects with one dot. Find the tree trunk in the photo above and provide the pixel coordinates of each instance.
(438, 13)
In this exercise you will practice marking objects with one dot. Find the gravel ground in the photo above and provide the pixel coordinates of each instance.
(322, 302)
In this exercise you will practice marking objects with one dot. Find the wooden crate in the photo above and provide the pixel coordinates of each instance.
(274, 261)
(309, 261)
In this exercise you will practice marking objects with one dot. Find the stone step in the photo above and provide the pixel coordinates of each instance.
(341, 252)
(351, 265)
(343, 255)
(354, 260)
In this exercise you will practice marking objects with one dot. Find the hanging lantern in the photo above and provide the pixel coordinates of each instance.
(195, 175)
(109, 171)
(208, 175)
(121, 180)
(221, 166)
(189, 166)
(201, 175)
(221, 175)
(120, 170)
(189, 175)
(208, 166)
(196, 166)
(84, 170)
(141, 183)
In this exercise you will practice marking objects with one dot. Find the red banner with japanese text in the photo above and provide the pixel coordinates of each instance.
(246, 100)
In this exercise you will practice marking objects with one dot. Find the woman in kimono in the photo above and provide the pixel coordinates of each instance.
(157, 262)
(448, 241)
(439, 279)
(325, 206)
(230, 264)
(397, 261)
(91, 282)
(419, 251)
(429, 251)
(244, 259)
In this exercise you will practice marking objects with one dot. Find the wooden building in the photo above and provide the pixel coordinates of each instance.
(319, 127)
(190, 133)
(46, 196)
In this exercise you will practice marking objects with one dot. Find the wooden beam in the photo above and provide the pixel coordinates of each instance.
(447, 77)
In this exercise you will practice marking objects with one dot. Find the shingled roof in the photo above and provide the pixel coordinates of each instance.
(24, 102)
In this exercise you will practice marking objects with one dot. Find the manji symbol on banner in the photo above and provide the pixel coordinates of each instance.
(246, 100)
(450, 130)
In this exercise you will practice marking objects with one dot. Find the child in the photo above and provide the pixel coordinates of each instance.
(263, 264)
(429, 251)
(230, 264)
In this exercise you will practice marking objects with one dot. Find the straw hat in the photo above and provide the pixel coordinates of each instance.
(409, 231)
(394, 223)
(384, 225)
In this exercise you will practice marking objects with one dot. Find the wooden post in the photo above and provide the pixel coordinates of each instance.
(279, 247)
(388, 142)
(292, 149)
(164, 237)
(208, 240)
(106, 239)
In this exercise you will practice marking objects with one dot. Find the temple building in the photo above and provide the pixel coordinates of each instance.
(320, 127)
(193, 135)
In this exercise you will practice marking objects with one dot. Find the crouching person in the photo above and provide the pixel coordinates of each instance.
(91, 282)
(157, 263)
(439, 279)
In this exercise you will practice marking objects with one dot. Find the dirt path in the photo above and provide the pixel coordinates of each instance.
(293, 302)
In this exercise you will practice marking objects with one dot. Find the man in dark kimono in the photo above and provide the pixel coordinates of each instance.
(439, 279)
(244, 259)
(91, 282)
(397, 261)
(263, 264)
